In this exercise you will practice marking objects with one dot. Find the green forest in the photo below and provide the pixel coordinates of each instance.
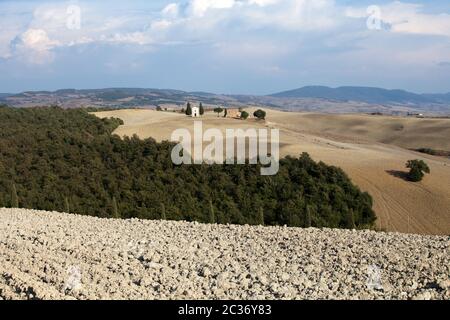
(68, 160)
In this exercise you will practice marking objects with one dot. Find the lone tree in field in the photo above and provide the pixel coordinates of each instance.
(14, 197)
(260, 114)
(202, 110)
(188, 109)
(244, 115)
(218, 111)
(417, 169)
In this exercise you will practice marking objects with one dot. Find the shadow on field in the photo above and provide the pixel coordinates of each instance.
(398, 174)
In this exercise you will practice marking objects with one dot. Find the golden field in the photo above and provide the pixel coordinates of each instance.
(372, 150)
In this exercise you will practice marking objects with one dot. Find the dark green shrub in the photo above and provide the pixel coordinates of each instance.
(260, 114)
(417, 170)
(218, 111)
(244, 115)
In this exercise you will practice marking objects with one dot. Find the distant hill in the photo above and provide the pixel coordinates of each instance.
(311, 99)
(439, 98)
(362, 94)
(113, 98)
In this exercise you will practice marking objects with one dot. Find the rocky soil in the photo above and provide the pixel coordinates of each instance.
(50, 255)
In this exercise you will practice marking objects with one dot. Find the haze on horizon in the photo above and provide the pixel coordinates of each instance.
(225, 46)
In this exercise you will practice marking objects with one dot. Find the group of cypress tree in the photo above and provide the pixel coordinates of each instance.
(188, 110)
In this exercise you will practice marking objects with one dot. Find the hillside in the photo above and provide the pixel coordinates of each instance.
(372, 150)
(50, 255)
(363, 94)
(405, 132)
(440, 98)
(113, 98)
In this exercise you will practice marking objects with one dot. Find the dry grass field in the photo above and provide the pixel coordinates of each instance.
(372, 150)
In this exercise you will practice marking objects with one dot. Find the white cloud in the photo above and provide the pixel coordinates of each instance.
(408, 18)
(138, 38)
(37, 39)
(35, 46)
(49, 29)
(263, 3)
(200, 7)
(210, 21)
(296, 15)
(250, 49)
(6, 37)
(160, 25)
(291, 15)
(170, 11)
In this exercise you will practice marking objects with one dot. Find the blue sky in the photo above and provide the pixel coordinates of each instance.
(224, 46)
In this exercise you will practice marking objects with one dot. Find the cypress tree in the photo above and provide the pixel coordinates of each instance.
(66, 205)
(212, 216)
(202, 110)
(226, 113)
(14, 197)
(163, 211)
(115, 210)
(188, 109)
(261, 216)
(308, 217)
(351, 219)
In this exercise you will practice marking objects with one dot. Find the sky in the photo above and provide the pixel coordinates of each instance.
(225, 46)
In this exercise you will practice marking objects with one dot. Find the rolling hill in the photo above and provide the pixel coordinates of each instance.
(440, 98)
(364, 94)
(372, 150)
(312, 99)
